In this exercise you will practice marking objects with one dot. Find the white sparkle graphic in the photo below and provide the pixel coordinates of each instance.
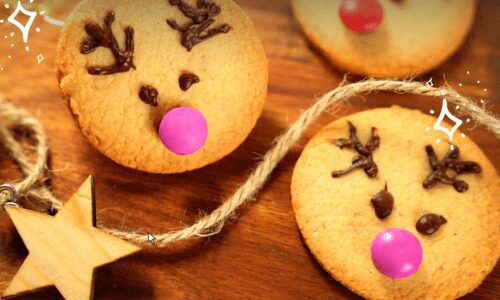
(40, 58)
(24, 28)
(446, 113)
(429, 83)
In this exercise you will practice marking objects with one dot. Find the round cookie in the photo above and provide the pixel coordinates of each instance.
(338, 221)
(413, 37)
(120, 92)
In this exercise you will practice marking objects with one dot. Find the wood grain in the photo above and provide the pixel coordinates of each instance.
(260, 255)
(64, 250)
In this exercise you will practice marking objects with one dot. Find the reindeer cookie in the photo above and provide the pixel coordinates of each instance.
(386, 38)
(393, 215)
(162, 86)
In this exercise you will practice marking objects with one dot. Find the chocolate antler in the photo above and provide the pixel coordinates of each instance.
(364, 158)
(449, 161)
(104, 37)
(202, 17)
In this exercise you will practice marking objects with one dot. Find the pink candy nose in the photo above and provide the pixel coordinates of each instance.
(361, 15)
(396, 253)
(183, 130)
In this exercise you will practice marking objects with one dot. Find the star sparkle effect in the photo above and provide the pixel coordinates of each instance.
(29, 10)
(40, 58)
(25, 29)
(446, 113)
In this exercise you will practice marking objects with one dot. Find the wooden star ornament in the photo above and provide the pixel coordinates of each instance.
(64, 250)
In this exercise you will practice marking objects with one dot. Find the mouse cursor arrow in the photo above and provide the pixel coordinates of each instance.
(151, 239)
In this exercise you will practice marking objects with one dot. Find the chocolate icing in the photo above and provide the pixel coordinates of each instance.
(104, 37)
(149, 95)
(364, 157)
(202, 17)
(430, 223)
(187, 80)
(383, 202)
(450, 162)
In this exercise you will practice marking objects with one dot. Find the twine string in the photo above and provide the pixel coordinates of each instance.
(35, 174)
(32, 185)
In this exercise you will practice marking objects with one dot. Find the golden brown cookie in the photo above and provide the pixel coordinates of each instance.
(338, 220)
(386, 38)
(207, 58)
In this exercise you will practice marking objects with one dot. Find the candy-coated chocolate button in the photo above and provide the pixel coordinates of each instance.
(361, 15)
(396, 253)
(183, 130)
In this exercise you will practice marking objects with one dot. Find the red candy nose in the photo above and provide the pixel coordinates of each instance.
(361, 15)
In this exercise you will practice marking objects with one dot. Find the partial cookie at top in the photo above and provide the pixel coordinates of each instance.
(415, 36)
(224, 77)
(338, 222)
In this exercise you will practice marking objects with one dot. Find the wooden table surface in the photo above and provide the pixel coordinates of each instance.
(260, 254)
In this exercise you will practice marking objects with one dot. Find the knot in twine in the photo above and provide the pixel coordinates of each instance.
(32, 187)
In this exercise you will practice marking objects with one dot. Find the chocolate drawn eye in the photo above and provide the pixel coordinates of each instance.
(149, 95)
(104, 37)
(383, 202)
(187, 80)
(430, 223)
